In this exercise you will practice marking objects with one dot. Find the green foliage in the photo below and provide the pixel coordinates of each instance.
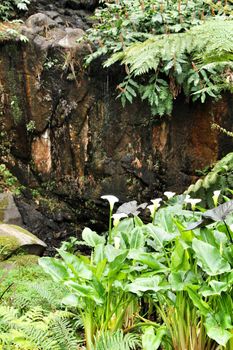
(219, 177)
(117, 341)
(184, 274)
(8, 181)
(8, 8)
(30, 287)
(31, 314)
(36, 330)
(166, 48)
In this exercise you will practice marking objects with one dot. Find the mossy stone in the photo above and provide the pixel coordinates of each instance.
(15, 239)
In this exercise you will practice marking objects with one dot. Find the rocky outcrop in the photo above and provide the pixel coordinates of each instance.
(65, 132)
(14, 239)
(9, 212)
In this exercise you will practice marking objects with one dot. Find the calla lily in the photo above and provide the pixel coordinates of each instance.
(215, 197)
(117, 217)
(169, 194)
(111, 200)
(117, 242)
(153, 207)
(156, 202)
(193, 202)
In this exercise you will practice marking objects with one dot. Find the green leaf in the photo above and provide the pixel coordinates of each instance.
(76, 265)
(202, 306)
(71, 300)
(149, 259)
(150, 340)
(216, 332)
(209, 258)
(116, 265)
(180, 258)
(180, 280)
(145, 284)
(85, 291)
(214, 288)
(55, 268)
(136, 238)
(92, 238)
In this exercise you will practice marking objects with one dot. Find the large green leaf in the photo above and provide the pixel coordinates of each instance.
(180, 258)
(159, 235)
(92, 238)
(116, 265)
(136, 238)
(145, 284)
(150, 340)
(111, 252)
(214, 288)
(181, 279)
(209, 258)
(85, 291)
(202, 306)
(76, 266)
(149, 259)
(55, 268)
(216, 331)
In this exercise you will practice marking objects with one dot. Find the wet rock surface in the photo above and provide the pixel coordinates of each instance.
(68, 137)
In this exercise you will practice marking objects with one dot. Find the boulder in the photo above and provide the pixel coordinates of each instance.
(9, 213)
(15, 239)
(70, 40)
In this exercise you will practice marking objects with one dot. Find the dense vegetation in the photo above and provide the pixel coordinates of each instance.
(164, 284)
(9, 8)
(166, 48)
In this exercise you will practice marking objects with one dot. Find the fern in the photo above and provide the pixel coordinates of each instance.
(218, 178)
(63, 333)
(37, 329)
(117, 341)
(188, 54)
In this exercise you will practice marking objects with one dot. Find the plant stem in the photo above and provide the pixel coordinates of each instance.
(110, 227)
(229, 234)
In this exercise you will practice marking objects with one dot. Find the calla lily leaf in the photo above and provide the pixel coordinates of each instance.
(197, 224)
(220, 213)
(131, 207)
(217, 214)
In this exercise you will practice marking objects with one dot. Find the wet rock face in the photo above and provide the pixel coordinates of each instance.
(66, 132)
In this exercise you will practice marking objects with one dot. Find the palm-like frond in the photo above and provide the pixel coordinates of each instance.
(199, 61)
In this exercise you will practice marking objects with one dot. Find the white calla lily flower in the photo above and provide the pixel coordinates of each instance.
(111, 200)
(117, 217)
(169, 194)
(156, 202)
(193, 202)
(215, 197)
(152, 209)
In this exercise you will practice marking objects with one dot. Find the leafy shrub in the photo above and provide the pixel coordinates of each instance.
(8, 8)
(179, 267)
(8, 181)
(166, 48)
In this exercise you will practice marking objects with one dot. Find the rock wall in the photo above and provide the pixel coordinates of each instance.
(62, 129)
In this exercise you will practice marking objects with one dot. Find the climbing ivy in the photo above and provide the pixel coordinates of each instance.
(166, 47)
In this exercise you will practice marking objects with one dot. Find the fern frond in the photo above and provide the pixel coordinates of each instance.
(117, 341)
(63, 333)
